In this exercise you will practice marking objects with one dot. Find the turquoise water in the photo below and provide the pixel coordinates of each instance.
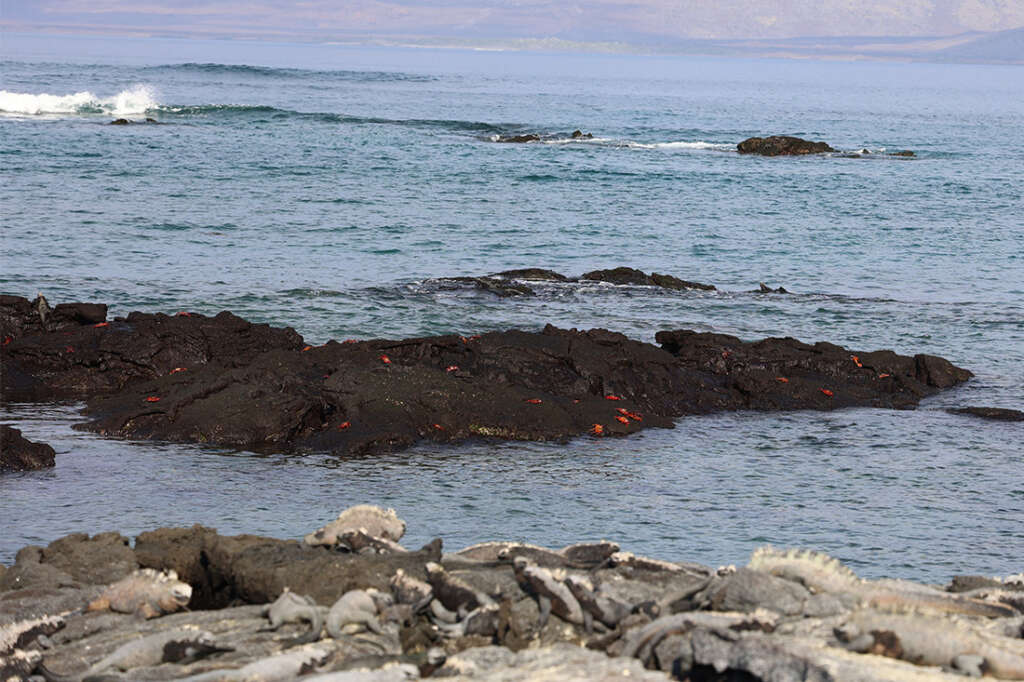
(323, 187)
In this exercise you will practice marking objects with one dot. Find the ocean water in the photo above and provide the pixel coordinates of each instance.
(324, 187)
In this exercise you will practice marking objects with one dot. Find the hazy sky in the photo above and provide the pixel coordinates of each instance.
(635, 21)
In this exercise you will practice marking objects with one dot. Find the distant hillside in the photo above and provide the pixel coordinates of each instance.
(1004, 47)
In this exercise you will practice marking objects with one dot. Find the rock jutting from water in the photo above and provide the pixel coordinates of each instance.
(509, 283)
(781, 145)
(225, 381)
(18, 453)
(1002, 414)
(260, 608)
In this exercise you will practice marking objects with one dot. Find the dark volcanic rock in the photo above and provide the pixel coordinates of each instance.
(255, 569)
(765, 289)
(346, 398)
(623, 275)
(17, 453)
(120, 122)
(382, 395)
(21, 317)
(497, 285)
(786, 374)
(89, 357)
(222, 380)
(534, 274)
(994, 413)
(580, 135)
(528, 137)
(781, 145)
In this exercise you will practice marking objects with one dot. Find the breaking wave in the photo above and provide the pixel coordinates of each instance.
(135, 101)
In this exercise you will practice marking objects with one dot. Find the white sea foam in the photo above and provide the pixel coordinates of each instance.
(630, 144)
(682, 144)
(131, 102)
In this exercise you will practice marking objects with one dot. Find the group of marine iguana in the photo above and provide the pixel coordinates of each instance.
(463, 616)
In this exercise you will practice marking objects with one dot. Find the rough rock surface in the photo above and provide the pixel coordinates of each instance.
(18, 453)
(222, 380)
(552, 385)
(509, 283)
(686, 621)
(73, 352)
(781, 374)
(781, 145)
(102, 558)
(638, 277)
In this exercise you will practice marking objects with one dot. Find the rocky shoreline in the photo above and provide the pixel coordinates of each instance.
(350, 603)
(225, 381)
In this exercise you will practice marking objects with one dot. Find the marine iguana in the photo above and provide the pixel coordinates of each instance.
(454, 594)
(480, 621)
(426, 662)
(355, 607)
(932, 641)
(146, 593)
(821, 573)
(582, 555)
(607, 610)
(504, 552)
(642, 563)
(411, 591)
(292, 608)
(551, 593)
(360, 542)
(19, 634)
(641, 641)
(372, 520)
(285, 666)
(170, 646)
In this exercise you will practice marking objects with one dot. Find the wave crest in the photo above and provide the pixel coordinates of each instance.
(131, 102)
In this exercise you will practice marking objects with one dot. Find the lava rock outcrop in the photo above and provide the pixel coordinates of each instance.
(18, 453)
(224, 381)
(781, 145)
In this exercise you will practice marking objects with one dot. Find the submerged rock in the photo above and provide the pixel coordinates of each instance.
(1001, 414)
(18, 453)
(534, 274)
(528, 137)
(765, 289)
(781, 145)
(499, 286)
(509, 282)
(623, 275)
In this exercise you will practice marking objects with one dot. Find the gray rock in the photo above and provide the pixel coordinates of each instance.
(772, 658)
(103, 558)
(747, 590)
(555, 663)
